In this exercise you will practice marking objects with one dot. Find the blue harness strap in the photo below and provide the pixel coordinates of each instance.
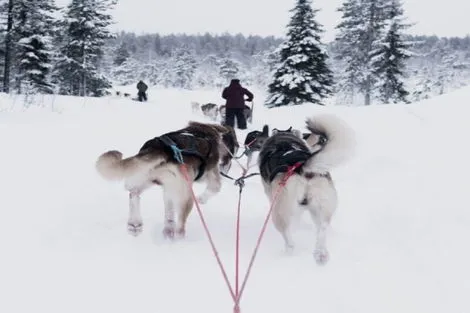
(179, 153)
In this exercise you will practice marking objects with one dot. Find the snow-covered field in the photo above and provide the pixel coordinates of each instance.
(398, 243)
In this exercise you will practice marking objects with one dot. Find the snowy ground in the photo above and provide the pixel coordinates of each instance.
(398, 243)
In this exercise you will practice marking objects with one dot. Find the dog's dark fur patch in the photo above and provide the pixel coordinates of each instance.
(280, 151)
(208, 106)
(200, 140)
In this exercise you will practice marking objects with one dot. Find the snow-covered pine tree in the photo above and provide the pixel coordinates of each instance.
(6, 13)
(86, 30)
(122, 54)
(184, 67)
(423, 86)
(302, 74)
(127, 72)
(348, 52)
(35, 26)
(389, 59)
(207, 72)
(228, 69)
(2, 56)
(360, 31)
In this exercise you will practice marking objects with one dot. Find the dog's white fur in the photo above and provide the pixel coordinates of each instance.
(319, 191)
(195, 106)
(340, 146)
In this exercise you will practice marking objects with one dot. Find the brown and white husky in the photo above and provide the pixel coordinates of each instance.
(202, 148)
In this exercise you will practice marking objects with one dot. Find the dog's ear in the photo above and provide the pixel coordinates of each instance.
(290, 129)
(266, 130)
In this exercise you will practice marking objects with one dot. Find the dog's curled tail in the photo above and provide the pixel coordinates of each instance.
(341, 140)
(111, 166)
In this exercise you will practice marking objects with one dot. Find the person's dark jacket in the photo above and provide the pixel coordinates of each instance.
(234, 94)
(141, 86)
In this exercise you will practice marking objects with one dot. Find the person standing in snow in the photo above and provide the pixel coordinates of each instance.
(234, 94)
(142, 91)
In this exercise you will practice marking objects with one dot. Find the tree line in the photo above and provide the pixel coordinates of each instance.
(371, 59)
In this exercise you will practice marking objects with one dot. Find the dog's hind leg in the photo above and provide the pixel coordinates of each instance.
(169, 215)
(283, 213)
(185, 210)
(134, 222)
(321, 253)
(321, 212)
(214, 184)
(178, 204)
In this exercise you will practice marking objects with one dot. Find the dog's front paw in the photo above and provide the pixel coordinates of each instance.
(134, 228)
(321, 256)
(181, 233)
(289, 249)
(169, 232)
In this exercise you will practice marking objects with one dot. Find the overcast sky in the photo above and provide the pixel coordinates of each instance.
(269, 17)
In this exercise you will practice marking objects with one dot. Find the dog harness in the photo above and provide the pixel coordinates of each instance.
(282, 158)
(192, 151)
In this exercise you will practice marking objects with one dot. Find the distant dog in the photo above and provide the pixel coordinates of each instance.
(156, 164)
(254, 140)
(311, 187)
(195, 106)
(210, 110)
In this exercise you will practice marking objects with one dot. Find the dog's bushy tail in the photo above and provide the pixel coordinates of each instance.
(341, 143)
(111, 166)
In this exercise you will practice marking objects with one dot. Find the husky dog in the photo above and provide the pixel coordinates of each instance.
(311, 187)
(254, 140)
(210, 110)
(195, 106)
(157, 164)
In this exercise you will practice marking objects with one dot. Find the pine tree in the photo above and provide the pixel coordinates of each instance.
(348, 54)
(360, 33)
(122, 54)
(390, 57)
(35, 28)
(7, 7)
(302, 74)
(229, 69)
(184, 67)
(86, 32)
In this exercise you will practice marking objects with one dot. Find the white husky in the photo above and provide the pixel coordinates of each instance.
(330, 143)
